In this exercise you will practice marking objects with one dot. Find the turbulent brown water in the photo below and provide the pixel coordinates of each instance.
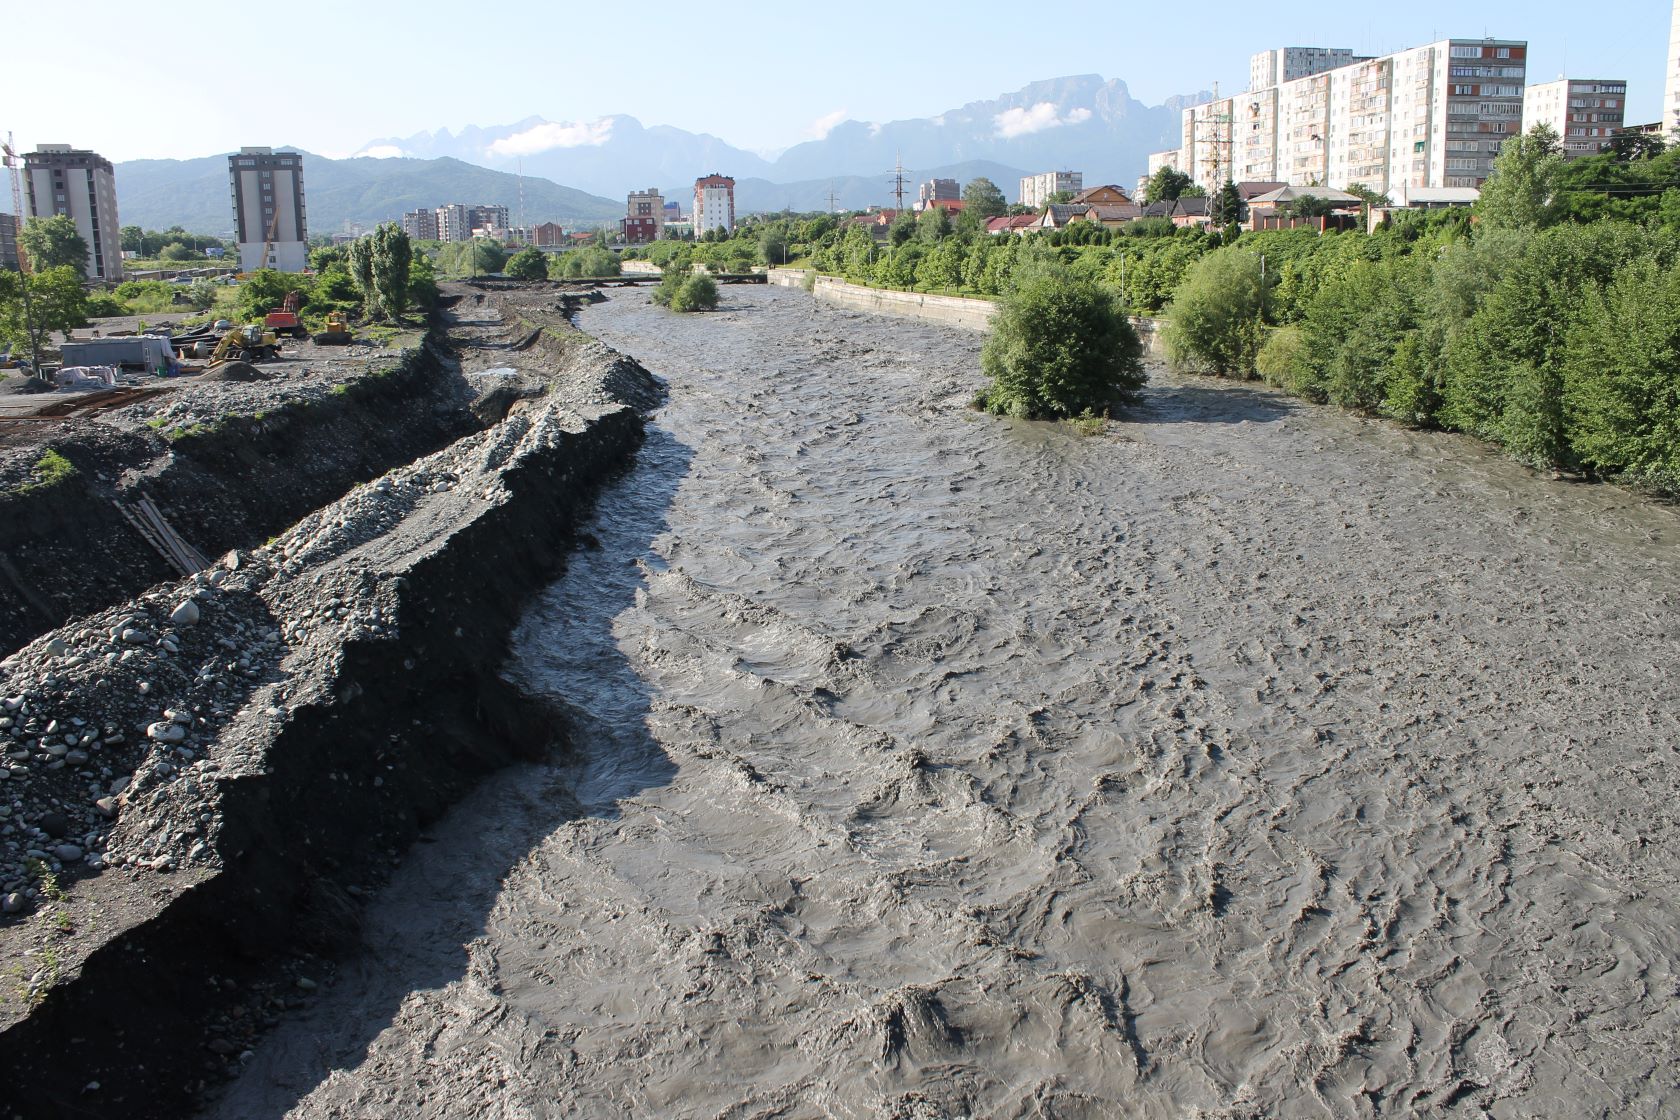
(1245, 760)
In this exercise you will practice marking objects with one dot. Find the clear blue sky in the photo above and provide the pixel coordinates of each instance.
(761, 79)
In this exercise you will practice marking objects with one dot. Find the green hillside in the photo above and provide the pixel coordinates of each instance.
(193, 193)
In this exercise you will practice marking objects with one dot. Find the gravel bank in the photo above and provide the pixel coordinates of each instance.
(200, 783)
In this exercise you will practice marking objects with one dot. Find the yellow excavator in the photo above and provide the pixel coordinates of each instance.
(245, 344)
(336, 332)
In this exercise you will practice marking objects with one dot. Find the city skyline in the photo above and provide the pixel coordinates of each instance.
(712, 80)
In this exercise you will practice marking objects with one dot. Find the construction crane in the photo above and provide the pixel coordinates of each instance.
(268, 240)
(17, 184)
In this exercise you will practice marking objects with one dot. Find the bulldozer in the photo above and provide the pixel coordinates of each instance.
(336, 332)
(246, 344)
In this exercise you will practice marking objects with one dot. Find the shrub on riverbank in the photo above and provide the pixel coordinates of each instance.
(1215, 320)
(1059, 347)
(697, 293)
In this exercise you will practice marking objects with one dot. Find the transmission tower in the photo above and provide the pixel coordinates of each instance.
(832, 200)
(898, 181)
(1213, 141)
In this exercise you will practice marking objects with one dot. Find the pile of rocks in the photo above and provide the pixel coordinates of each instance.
(98, 717)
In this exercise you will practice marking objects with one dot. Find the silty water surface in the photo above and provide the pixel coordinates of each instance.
(1248, 759)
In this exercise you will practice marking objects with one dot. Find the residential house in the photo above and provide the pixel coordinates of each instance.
(1112, 217)
(1058, 215)
(548, 235)
(1106, 195)
(1011, 223)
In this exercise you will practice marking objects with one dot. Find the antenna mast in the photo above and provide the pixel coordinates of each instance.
(898, 181)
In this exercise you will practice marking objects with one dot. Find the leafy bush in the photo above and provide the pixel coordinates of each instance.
(579, 263)
(1058, 347)
(1215, 319)
(697, 293)
(527, 264)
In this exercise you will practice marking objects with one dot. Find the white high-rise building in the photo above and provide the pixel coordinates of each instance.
(1584, 112)
(1037, 189)
(82, 186)
(714, 203)
(1285, 64)
(1430, 116)
(268, 211)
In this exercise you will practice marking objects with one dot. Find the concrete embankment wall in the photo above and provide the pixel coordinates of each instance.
(238, 850)
(975, 314)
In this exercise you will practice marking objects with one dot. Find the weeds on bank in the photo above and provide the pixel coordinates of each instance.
(1088, 423)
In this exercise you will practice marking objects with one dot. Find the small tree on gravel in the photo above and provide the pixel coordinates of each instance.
(1060, 346)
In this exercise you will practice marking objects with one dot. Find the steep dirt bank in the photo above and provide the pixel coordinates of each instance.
(202, 782)
(225, 472)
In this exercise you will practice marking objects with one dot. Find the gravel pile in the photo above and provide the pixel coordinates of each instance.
(98, 719)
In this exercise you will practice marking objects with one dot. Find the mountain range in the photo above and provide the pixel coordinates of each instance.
(193, 193)
(1082, 123)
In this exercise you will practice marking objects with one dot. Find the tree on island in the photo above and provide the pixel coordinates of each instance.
(1060, 346)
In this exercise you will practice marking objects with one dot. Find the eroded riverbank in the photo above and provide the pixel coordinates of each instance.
(1248, 759)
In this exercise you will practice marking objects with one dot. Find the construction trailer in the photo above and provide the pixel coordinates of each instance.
(150, 353)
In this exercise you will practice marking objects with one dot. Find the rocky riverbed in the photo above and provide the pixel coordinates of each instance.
(1246, 759)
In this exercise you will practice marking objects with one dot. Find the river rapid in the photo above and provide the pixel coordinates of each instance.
(1247, 759)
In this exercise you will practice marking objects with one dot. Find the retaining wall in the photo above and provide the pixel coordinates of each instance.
(975, 314)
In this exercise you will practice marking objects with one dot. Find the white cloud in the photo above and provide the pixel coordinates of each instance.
(823, 125)
(382, 151)
(549, 135)
(874, 128)
(939, 120)
(1023, 122)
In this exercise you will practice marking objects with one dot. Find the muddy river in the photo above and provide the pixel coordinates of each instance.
(1248, 759)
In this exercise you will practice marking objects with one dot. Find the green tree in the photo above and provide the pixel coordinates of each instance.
(527, 264)
(773, 245)
(54, 243)
(1167, 184)
(266, 289)
(1060, 346)
(178, 251)
(392, 254)
(1057, 198)
(932, 225)
(1521, 193)
(982, 199)
(358, 258)
(132, 238)
(903, 228)
(1227, 207)
(57, 301)
(422, 282)
(698, 292)
(1216, 315)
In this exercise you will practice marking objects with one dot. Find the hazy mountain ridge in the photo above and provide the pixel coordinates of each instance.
(193, 193)
(1081, 122)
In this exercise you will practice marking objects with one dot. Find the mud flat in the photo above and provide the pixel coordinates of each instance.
(1244, 760)
(201, 784)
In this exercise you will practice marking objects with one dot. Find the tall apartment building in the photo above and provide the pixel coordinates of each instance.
(1037, 189)
(1671, 85)
(644, 216)
(1429, 116)
(454, 221)
(1272, 68)
(81, 185)
(1584, 112)
(487, 217)
(714, 203)
(421, 225)
(8, 241)
(937, 190)
(268, 210)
